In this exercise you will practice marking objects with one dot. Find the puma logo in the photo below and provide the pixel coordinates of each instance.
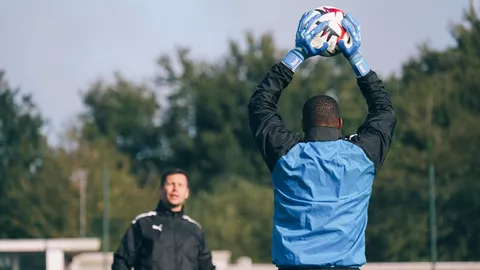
(157, 227)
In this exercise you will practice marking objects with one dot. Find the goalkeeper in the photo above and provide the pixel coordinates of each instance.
(322, 180)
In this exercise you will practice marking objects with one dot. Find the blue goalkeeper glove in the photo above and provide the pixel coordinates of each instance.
(352, 53)
(303, 48)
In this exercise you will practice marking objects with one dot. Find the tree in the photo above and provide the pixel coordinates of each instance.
(125, 114)
(101, 159)
(437, 106)
(26, 207)
(239, 221)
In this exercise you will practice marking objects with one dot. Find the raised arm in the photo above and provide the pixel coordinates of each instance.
(271, 137)
(374, 136)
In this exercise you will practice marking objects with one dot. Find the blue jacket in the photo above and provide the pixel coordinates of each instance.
(322, 182)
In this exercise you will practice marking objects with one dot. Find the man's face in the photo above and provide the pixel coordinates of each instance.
(175, 191)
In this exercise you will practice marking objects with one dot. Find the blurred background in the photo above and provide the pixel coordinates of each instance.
(97, 98)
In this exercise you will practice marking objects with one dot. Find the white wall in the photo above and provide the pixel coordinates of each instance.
(221, 258)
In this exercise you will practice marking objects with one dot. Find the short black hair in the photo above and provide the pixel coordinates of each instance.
(171, 172)
(320, 110)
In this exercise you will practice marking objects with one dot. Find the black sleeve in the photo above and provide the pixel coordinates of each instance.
(271, 137)
(204, 255)
(374, 136)
(125, 256)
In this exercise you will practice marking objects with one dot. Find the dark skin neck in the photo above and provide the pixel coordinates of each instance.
(332, 124)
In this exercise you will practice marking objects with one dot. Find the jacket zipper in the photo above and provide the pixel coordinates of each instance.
(174, 243)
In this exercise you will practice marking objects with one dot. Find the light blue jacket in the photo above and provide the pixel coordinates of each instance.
(321, 195)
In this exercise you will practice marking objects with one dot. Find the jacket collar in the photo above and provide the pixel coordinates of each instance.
(162, 210)
(322, 134)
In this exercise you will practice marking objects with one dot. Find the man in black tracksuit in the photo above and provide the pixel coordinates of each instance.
(165, 239)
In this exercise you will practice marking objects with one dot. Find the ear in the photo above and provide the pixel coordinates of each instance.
(340, 123)
(187, 193)
(301, 123)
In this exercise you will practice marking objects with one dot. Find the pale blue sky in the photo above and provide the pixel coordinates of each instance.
(54, 49)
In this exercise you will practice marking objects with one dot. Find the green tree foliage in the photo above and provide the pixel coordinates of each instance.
(37, 196)
(125, 114)
(26, 207)
(100, 159)
(240, 220)
(437, 105)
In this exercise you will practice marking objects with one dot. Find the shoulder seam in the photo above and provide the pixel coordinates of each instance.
(147, 214)
(191, 220)
(348, 139)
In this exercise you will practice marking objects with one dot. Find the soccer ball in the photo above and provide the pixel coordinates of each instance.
(332, 33)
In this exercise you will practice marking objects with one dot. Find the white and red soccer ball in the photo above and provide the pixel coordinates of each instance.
(333, 32)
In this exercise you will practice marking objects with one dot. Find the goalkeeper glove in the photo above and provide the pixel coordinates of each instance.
(353, 54)
(306, 31)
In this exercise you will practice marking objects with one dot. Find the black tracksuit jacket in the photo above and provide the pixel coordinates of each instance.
(163, 240)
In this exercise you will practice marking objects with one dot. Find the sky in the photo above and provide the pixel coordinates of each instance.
(56, 48)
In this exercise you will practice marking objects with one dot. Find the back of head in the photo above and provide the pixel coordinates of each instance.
(321, 110)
